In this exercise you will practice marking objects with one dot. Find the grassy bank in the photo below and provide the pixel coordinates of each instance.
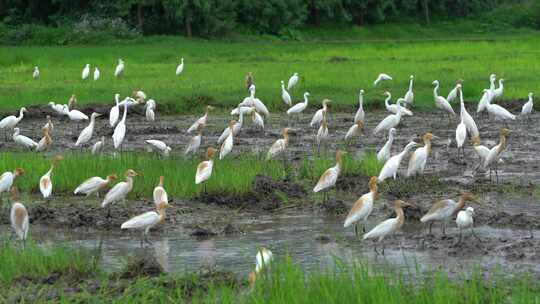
(230, 176)
(215, 70)
(285, 283)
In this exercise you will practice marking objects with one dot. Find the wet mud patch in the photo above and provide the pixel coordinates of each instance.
(142, 265)
(334, 207)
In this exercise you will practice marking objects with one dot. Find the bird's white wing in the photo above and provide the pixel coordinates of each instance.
(89, 185)
(226, 147)
(387, 123)
(204, 170)
(85, 136)
(119, 134)
(417, 161)
(141, 221)
(326, 180)
(299, 107)
(6, 180)
(381, 230)
(317, 118)
(224, 135)
(461, 134)
(117, 192)
(389, 168)
(277, 147)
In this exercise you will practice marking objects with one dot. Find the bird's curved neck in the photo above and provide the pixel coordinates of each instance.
(386, 100)
(241, 119)
(339, 162)
(305, 99)
(129, 181)
(435, 89)
(125, 112)
(410, 84)
(390, 137)
(21, 114)
(400, 216)
(116, 99)
(460, 204)
(361, 100)
(373, 189)
(286, 137)
(161, 213)
(502, 143)
(427, 144)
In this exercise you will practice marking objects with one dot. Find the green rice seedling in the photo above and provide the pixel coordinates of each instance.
(230, 176)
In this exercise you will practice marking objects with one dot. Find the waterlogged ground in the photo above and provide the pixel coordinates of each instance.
(212, 232)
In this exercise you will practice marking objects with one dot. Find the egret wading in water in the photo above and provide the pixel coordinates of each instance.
(45, 183)
(262, 262)
(204, 169)
(119, 192)
(146, 221)
(389, 226)
(391, 166)
(444, 210)
(363, 207)
(19, 217)
(329, 177)
(94, 185)
(418, 160)
(465, 219)
(527, 108)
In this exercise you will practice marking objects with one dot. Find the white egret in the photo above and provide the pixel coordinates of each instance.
(454, 92)
(22, 140)
(120, 130)
(159, 146)
(150, 106)
(441, 102)
(527, 108)
(204, 168)
(94, 185)
(445, 209)
(409, 96)
(8, 178)
(262, 261)
(35, 74)
(492, 159)
(466, 117)
(146, 221)
(85, 72)
(391, 166)
(119, 70)
(285, 95)
(318, 116)
(390, 121)
(299, 107)
(329, 177)
(96, 73)
(115, 111)
(362, 208)
(9, 122)
(465, 219)
(355, 130)
(227, 145)
(389, 226)
(360, 114)
(98, 146)
(86, 133)
(384, 153)
(159, 194)
(201, 121)
(498, 92)
(279, 146)
(257, 120)
(45, 182)
(394, 107)
(180, 67)
(418, 160)
(19, 217)
(292, 81)
(57, 108)
(120, 191)
(236, 129)
(195, 141)
(382, 77)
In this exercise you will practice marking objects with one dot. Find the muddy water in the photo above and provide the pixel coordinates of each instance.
(312, 239)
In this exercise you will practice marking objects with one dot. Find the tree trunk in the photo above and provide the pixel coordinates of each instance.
(139, 16)
(187, 22)
(425, 3)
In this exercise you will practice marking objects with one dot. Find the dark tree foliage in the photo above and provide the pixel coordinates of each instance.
(216, 17)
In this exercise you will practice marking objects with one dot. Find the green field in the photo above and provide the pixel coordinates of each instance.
(215, 70)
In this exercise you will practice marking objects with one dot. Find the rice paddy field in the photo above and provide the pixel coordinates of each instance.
(334, 67)
(203, 248)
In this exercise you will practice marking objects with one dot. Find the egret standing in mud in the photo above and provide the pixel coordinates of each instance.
(527, 108)
(204, 169)
(8, 123)
(441, 102)
(389, 226)
(330, 176)
(19, 217)
(393, 108)
(354, 131)
(492, 159)
(114, 113)
(360, 115)
(362, 208)
(120, 130)
(466, 117)
(465, 220)
(201, 121)
(298, 108)
(86, 133)
(146, 221)
(98, 146)
(454, 92)
(444, 209)
(45, 142)
(285, 96)
(195, 142)
(24, 141)
(262, 261)
(418, 160)
(94, 185)
(45, 183)
(391, 166)
(319, 115)
(409, 96)
(390, 121)
(322, 134)
(227, 145)
(384, 153)
(119, 192)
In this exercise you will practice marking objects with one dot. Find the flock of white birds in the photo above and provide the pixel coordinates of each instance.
(257, 110)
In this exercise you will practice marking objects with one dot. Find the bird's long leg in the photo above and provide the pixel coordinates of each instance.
(364, 227)
(142, 239)
(460, 235)
(356, 229)
(383, 245)
(496, 174)
(430, 225)
(375, 248)
(475, 236)
(444, 228)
